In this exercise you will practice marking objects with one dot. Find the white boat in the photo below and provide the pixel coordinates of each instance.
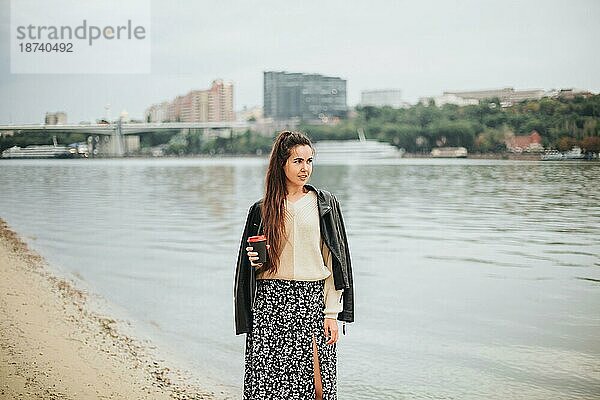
(574, 154)
(554, 155)
(551, 155)
(348, 150)
(40, 151)
(449, 152)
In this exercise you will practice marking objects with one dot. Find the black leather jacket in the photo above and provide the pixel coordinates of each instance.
(333, 233)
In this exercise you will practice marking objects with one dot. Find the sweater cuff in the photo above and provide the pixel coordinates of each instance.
(333, 304)
(332, 310)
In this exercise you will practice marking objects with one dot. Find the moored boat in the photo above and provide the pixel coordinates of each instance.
(554, 155)
(551, 155)
(574, 154)
(449, 152)
(39, 151)
(348, 150)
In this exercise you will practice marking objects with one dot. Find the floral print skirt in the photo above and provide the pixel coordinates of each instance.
(279, 350)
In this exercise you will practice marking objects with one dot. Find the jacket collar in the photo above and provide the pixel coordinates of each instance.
(322, 200)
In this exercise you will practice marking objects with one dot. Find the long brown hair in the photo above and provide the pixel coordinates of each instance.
(273, 205)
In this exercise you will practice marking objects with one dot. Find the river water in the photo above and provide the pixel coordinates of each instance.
(474, 279)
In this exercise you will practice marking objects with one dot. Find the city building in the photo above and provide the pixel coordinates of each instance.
(210, 105)
(173, 110)
(526, 143)
(569, 94)
(381, 98)
(56, 118)
(220, 102)
(250, 114)
(507, 96)
(308, 97)
(448, 98)
(124, 116)
(157, 112)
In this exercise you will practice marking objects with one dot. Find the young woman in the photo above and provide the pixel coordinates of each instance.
(289, 306)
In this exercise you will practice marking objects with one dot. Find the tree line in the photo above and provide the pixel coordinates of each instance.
(483, 128)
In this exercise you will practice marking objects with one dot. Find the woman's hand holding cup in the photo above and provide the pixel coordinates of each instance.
(260, 255)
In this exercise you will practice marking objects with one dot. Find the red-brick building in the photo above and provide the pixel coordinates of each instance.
(528, 143)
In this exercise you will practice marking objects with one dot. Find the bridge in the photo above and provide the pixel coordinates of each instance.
(118, 129)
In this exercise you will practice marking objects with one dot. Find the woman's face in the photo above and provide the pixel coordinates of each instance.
(299, 165)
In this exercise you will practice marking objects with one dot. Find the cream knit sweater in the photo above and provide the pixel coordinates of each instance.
(304, 256)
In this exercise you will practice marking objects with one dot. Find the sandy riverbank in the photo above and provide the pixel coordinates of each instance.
(54, 345)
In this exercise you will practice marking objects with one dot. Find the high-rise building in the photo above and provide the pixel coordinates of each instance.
(381, 98)
(157, 112)
(57, 118)
(305, 96)
(220, 102)
(211, 105)
(174, 110)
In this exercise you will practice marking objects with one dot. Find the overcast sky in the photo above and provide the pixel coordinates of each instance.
(420, 47)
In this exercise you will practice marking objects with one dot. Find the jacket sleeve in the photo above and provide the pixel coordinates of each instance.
(243, 278)
(348, 295)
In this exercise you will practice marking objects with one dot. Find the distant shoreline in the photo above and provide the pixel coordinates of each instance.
(484, 156)
(472, 156)
(54, 345)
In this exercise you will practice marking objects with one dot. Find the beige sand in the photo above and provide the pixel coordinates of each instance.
(54, 346)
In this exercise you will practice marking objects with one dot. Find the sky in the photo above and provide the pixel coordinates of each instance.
(421, 47)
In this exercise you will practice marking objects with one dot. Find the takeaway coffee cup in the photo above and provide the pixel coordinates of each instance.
(259, 245)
